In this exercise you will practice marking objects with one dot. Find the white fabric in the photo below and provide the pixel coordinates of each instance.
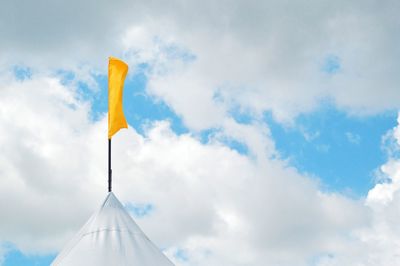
(111, 238)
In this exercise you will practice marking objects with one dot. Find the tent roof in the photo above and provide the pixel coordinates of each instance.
(111, 237)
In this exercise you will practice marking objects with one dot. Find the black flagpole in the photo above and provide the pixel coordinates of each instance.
(109, 166)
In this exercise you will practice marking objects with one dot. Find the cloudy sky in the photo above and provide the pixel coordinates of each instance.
(261, 133)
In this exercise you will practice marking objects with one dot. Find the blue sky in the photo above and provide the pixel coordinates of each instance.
(16, 258)
(341, 150)
(255, 119)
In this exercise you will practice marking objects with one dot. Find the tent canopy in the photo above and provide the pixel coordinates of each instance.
(111, 237)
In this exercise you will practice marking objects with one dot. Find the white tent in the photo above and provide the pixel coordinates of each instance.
(111, 238)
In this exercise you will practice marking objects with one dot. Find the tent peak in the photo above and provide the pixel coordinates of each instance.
(111, 237)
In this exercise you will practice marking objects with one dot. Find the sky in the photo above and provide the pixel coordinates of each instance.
(261, 133)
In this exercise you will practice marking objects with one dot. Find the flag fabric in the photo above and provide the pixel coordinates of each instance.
(117, 70)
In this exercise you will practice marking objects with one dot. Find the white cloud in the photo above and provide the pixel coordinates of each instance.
(353, 138)
(3, 251)
(268, 56)
(258, 55)
(220, 207)
(206, 58)
(378, 243)
(388, 182)
(42, 125)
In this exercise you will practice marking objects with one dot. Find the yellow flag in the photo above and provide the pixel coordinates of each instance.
(117, 70)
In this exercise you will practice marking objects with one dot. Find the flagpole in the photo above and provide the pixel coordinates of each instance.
(109, 166)
(117, 70)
